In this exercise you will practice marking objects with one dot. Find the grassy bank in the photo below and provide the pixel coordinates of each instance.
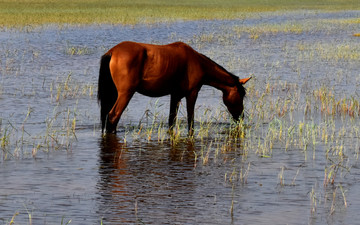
(15, 13)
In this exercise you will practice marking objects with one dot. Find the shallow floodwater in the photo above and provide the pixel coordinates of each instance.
(56, 166)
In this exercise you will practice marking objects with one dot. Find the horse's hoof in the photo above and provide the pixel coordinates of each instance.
(110, 132)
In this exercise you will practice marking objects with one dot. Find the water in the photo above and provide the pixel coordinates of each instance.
(54, 172)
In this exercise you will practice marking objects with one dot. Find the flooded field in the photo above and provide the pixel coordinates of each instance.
(293, 160)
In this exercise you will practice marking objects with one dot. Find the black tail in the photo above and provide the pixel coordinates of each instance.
(107, 93)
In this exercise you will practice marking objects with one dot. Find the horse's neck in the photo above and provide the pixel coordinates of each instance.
(218, 77)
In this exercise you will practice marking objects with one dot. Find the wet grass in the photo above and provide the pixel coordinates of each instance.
(38, 12)
(30, 220)
(58, 129)
(58, 134)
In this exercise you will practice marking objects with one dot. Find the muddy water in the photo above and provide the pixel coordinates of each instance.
(54, 172)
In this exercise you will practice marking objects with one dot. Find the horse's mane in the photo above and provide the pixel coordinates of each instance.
(240, 87)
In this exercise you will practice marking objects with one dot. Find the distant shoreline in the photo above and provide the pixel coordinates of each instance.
(21, 13)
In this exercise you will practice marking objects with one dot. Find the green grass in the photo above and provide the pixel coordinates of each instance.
(18, 13)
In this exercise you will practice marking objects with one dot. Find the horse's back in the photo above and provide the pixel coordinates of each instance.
(160, 69)
(126, 50)
(130, 46)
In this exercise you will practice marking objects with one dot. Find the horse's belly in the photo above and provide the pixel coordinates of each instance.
(155, 89)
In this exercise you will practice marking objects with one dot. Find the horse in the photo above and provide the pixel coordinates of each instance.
(157, 70)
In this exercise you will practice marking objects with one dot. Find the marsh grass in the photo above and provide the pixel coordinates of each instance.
(59, 134)
(65, 87)
(22, 13)
(30, 218)
(330, 51)
(304, 134)
(78, 50)
(256, 31)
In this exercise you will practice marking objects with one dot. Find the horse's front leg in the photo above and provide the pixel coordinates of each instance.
(174, 106)
(190, 106)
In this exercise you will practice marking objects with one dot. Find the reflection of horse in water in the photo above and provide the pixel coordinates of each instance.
(117, 199)
(148, 176)
(157, 70)
(113, 166)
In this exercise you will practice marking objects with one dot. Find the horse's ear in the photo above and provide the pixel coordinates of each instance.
(243, 81)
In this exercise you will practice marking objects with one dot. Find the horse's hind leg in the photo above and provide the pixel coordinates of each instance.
(117, 110)
(125, 66)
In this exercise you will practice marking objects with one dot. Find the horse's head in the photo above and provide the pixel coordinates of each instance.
(234, 97)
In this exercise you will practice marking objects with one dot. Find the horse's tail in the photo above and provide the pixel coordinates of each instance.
(107, 93)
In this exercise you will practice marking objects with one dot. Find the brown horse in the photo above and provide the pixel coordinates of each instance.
(157, 70)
